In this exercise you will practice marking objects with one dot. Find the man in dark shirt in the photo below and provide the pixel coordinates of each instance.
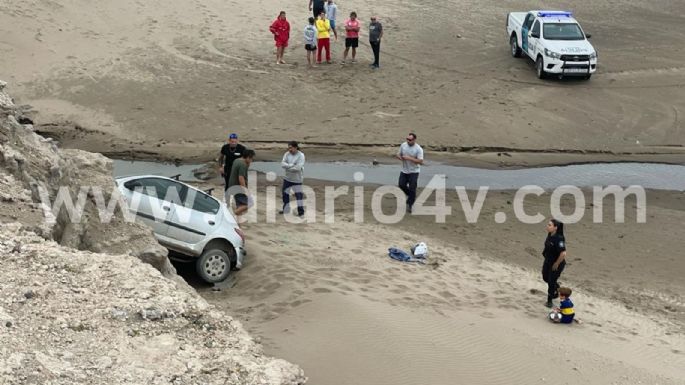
(318, 7)
(237, 181)
(229, 152)
(375, 36)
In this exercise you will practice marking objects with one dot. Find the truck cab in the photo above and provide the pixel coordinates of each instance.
(554, 40)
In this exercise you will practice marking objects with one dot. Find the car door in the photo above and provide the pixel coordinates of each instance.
(149, 199)
(524, 31)
(533, 39)
(195, 218)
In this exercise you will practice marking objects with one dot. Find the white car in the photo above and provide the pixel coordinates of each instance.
(554, 40)
(192, 224)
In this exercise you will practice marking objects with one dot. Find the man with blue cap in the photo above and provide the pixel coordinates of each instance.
(230, 151)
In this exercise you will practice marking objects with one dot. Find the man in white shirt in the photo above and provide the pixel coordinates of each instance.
(411, 155)
(293, 164)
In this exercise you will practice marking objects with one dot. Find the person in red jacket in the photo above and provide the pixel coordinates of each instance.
(281, 30)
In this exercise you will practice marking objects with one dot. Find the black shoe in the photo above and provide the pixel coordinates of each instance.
(409, 209)
(549, 303)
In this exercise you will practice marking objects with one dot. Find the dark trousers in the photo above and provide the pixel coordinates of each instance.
(376, 47)
(408, 184)
(551, 278)
(316, 11)
(297, 188)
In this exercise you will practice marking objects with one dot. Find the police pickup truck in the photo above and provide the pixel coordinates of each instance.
(554, 40)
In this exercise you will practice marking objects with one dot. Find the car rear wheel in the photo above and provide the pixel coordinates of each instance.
(515, 50)
(540, 68)
(213, 266)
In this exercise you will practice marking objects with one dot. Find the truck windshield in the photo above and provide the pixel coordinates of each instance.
(562, 31)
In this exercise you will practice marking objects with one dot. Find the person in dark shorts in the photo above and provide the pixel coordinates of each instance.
(352, 28)
(310, 41)
(317, 6)
(230, 151)
(238, 182)
(555, 258)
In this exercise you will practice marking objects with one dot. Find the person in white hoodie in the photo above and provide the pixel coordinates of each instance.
(293, 164)
(310, 41)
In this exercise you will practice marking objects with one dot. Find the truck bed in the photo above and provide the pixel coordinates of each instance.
(515, 21)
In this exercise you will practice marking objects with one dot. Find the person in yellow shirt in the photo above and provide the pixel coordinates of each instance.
(323, 28)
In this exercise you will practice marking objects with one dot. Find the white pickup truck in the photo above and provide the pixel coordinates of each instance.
(554, 40)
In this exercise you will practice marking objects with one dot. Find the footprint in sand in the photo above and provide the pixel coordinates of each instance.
(321, 290)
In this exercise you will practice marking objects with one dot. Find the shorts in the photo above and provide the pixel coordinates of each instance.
(351, 42)
(240, 200)
(332, 23)
(310, 47)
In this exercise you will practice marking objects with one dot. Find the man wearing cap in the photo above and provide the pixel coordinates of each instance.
(229, 152)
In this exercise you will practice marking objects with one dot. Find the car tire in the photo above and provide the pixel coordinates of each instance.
(514, 44)
(540, 68)
(587, 77)
(213, 266)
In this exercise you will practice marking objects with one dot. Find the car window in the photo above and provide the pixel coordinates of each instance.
(536, 28)
(529, 21)
(203, 202)
(164, 189)
(563, 31)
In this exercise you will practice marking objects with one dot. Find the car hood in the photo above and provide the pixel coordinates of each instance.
(570, 47)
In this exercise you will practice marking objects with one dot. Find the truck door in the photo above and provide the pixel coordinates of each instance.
(533, 39)
(524, 31)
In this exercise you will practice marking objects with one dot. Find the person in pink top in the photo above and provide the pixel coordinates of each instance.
(352, 28)
(281, 30)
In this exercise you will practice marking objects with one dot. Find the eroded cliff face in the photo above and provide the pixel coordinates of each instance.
(87, 302)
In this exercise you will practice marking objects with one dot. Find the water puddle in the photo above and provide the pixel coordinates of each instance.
(648, 175)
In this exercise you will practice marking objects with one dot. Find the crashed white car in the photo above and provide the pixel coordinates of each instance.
(192, 224)
(554, 40)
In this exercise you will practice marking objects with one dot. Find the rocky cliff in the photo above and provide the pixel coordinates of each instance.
(87, 302)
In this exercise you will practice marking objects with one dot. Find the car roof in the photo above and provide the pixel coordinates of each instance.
(132, 177)
(552, 16)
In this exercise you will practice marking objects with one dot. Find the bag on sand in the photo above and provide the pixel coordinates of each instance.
(402, 256)
(420, 250)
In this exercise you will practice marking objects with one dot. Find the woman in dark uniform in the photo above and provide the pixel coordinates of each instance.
(555, 258)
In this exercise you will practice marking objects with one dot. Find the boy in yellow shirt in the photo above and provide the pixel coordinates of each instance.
(323, 28)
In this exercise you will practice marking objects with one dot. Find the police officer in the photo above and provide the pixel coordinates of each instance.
(555, 258)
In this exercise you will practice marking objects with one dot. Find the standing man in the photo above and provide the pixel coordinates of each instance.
(238, 182)
(280, 28)
(318, 7)
(411, 155)
(331, 10)
(293, 164)
(352, 28)
(229, 152)
(375, 35)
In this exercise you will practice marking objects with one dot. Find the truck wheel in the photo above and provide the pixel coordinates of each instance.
(587, 77)
(540, 68)
(515, 50)
(213, 266)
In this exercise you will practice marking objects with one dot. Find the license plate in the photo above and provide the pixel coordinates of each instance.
(576, 70)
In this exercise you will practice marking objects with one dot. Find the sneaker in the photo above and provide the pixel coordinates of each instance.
(281, 212)
(354, 60)
(328, 62)
(549, 303)
(342, 62)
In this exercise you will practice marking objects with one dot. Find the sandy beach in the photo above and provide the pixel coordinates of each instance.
(167, 81)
